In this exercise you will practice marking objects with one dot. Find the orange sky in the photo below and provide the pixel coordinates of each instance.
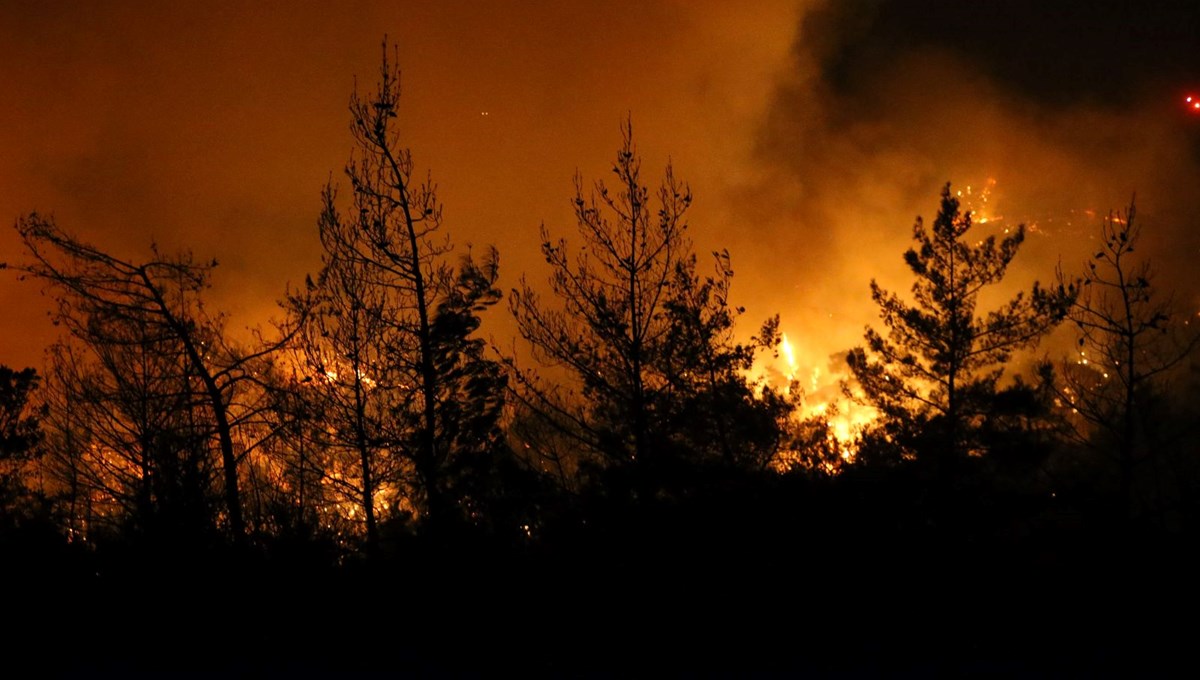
(214, 129)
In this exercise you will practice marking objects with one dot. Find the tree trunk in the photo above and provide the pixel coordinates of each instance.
(233, 502)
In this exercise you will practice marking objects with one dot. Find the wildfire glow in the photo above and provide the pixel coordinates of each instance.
(825, 378)
(976, 199)
(331, 376)
(789, 355)
(824, 397)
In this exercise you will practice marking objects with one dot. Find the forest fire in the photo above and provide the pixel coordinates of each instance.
(828, 391)
(976, 200)
(468, 395)
(823, 393)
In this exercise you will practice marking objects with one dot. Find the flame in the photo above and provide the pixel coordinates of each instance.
(823, 377)
(824, 397)
(825, 393)
(789, 355)
(331, 376)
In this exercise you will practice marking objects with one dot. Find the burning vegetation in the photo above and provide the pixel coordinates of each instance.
(375, 422)
(376, 402)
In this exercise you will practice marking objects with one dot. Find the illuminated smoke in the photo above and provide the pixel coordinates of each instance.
(140, 122)
(847, 160)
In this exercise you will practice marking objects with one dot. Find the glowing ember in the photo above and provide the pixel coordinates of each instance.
(1192, 102)
(975, 199)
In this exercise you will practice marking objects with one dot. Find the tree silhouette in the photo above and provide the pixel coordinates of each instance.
(20, 430)
(1129, 341)
(648, 340)
(710, 405)
(345, 344)
(154, 310)
(20, 419)
(390, 344)
(936, 372)
(130, 439)
(306, 491)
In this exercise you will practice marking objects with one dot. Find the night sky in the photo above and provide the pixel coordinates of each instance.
(811, 133)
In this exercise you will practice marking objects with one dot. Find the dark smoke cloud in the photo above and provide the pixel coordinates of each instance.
(1068, 108)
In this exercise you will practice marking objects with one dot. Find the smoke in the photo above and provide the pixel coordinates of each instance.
(874, 118)
(215, 128)
(811, 132)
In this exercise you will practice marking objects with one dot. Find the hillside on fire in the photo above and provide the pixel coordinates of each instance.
(615, 457)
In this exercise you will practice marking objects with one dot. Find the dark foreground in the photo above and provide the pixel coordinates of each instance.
(757, 588)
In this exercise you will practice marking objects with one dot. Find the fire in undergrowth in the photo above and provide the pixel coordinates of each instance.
(821, 381)
(804, 364)
(824, 379)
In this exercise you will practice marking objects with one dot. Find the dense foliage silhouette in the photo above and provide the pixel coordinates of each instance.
(935, 377)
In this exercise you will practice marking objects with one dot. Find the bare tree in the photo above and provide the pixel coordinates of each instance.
(154, 309)
(130, 447)
(1129, 341)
